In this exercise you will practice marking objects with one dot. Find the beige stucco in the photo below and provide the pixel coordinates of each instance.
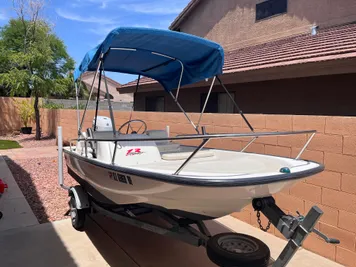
(232, 22)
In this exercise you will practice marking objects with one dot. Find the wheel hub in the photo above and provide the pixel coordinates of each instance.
(73, 210)
(237, 245)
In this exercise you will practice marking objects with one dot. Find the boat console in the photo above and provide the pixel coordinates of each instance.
(149, 151)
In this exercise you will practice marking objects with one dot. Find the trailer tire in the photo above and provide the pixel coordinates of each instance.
(77, 216)
(237, 250)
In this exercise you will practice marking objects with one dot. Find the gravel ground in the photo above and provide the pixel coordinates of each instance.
(37, 179)
(28, 140)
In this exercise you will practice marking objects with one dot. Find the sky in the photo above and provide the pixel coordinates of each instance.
(82, 24)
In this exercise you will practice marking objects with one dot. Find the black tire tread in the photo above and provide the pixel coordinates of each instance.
(80, 222)
(221, 257)
(81, 214)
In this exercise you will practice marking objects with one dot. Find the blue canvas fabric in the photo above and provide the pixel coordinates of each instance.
(201, 58)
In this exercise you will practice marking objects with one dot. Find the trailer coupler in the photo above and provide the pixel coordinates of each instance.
(293, 228)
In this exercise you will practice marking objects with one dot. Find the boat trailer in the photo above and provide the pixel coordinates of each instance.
(223, 249)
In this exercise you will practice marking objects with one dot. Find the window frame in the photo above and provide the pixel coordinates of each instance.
(272, 16)
(212, 95)
(155, 99)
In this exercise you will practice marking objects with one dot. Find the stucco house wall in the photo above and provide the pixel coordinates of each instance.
(319, 95)
(232, 23)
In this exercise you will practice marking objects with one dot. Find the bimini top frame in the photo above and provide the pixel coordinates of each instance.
(174, 59)
(158, 54)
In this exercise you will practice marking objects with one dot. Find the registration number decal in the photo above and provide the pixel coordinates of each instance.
(125, 179)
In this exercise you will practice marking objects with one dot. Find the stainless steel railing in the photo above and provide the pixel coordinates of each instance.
(205, 137)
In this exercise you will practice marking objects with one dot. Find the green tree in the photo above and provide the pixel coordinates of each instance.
(70, 92)
(34, 61)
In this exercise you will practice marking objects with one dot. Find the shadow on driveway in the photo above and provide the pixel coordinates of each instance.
(28, 188)
(38, 245)
(148, 249)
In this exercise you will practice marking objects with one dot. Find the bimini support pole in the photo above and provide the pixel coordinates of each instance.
(136, 90)
(133, 103)
(175, 98)
(206, 101)
(109, 103)
(305, 146)
(185, 114)
(200, 147)
(180, 78)
(235, 104)
(60, 158)
(97, 98)
(77, 90)
(91, 92)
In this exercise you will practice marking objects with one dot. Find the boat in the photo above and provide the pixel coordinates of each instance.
(126, 171)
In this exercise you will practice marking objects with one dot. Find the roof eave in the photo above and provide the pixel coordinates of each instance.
(185, 12)
(328, 65)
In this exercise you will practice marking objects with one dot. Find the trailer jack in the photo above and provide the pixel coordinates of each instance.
(293, 228)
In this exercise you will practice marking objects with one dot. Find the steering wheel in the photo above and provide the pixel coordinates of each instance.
(128, 123)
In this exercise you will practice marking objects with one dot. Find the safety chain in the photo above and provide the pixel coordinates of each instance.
(260, 223)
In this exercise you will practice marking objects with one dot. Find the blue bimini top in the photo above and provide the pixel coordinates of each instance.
(157, 54)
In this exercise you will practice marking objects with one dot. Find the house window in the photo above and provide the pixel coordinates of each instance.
(270, 8)
(217, 103)
(155, 103)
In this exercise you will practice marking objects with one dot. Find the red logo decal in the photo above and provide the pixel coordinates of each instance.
(132, 152)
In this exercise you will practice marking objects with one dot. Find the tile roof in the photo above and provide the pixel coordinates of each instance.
(91, 74)
(328, 44)
(143, 80)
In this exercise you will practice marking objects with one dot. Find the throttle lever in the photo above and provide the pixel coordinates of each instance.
(327, 239)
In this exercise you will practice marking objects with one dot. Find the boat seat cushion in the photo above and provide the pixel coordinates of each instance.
(158, 134)
(90, 135)
(110, 135)
(105, 135)
(119, 136)
(163, 146)
(185, 155)
(169, 147)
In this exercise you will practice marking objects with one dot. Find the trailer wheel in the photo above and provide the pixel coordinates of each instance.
(237, 250)
(77, 216)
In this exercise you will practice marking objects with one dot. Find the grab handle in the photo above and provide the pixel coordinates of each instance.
(327, 239)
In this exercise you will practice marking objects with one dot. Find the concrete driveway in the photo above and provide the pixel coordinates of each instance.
(24, 242)
(109, 243)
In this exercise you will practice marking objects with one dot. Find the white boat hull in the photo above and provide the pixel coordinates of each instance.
(127, 188)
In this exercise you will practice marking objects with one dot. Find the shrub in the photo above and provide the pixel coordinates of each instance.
(81, 106)
(26, 111)
(52, 105)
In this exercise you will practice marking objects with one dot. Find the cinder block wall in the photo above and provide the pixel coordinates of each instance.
(10, 120)
(334, 190)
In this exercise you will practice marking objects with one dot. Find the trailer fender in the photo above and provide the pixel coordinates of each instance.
(80, 196)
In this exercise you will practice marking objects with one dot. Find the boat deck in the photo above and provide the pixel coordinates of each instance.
(214, 162)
